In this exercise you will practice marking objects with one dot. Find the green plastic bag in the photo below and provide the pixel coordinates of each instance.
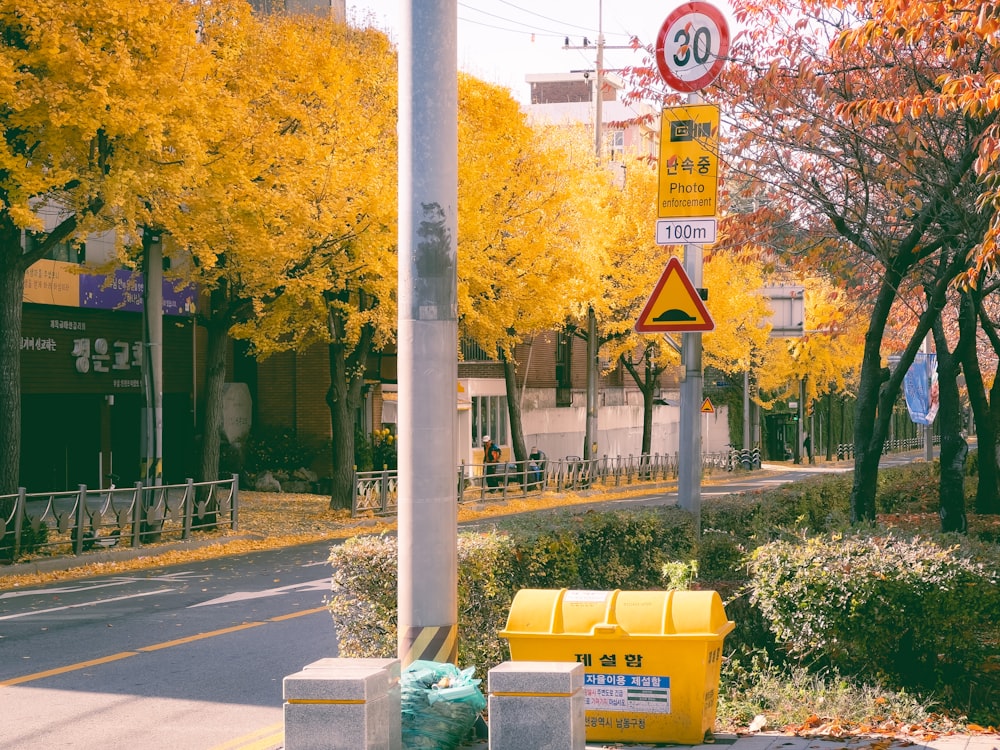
(440, 705)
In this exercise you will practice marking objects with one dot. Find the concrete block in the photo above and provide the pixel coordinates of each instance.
(392, 670)
(538, 705)
(337, 709)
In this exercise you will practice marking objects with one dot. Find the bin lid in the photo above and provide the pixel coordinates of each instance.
(542, 612)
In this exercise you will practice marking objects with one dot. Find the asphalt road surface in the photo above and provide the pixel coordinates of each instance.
(190, 657)
(174, 658)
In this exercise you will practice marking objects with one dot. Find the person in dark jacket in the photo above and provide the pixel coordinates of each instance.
(491, 462)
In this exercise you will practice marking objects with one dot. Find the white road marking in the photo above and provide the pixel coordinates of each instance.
(320, 584)
(83, 604)
(170, 578)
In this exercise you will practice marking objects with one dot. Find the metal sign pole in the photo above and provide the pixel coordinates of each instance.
(428, 330)
(689, 449)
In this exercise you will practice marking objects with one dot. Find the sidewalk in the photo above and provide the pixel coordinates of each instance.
(774, 741)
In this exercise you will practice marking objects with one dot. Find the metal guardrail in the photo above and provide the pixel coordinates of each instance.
(83, 519)
(377, 491)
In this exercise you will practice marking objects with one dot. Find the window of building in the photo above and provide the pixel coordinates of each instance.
(616, 143)
(473, 352)
(68, 252)
(489, 417)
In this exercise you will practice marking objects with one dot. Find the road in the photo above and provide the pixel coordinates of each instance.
(174, 658)
(188, 657)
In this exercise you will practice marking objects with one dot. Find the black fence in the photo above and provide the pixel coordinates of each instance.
(76, 521)
(377, 491)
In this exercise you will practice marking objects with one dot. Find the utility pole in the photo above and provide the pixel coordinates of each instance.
(428, 330)
(593, 345)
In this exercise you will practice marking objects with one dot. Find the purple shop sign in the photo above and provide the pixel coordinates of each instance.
(123, 290)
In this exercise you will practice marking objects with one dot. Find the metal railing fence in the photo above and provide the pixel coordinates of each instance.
(79, 520)
(377, 491)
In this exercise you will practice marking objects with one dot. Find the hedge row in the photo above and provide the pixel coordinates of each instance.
(919, 614)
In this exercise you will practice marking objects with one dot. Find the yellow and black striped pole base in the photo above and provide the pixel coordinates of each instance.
(430, 643)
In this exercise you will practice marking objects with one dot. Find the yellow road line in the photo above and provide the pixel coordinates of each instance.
(264, 738)
(293, 615)
(154, 647)
(200, 636)
(68, 668)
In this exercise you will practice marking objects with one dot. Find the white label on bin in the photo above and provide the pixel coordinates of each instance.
(630, 693)
(582, 595)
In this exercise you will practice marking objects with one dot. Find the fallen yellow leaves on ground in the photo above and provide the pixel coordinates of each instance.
(270, 521)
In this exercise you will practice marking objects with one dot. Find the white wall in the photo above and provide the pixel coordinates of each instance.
(560, 432)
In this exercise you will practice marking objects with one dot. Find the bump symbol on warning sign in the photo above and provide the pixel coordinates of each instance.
(674, 305)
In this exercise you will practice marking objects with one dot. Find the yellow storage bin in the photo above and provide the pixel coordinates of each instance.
(651, 658)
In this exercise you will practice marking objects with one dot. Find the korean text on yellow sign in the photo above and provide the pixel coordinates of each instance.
(689, 162)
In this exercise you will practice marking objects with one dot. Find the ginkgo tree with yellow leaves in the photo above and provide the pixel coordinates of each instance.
(319, 183)
(106, 106)
(528, 214)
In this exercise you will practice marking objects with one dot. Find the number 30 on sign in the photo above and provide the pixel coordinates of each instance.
(691, 47)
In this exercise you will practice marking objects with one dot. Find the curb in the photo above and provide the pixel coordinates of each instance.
(48, 565)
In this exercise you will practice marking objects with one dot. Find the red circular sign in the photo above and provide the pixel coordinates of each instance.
(692, 45)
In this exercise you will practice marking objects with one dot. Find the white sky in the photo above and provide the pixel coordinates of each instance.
(502, 41)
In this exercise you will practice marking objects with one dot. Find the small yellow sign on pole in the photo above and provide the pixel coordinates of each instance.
(689, 161)
(707, 408)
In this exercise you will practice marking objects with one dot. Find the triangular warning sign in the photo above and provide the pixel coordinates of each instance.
(674, 305)
(707, 407)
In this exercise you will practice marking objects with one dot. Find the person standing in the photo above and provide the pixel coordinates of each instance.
(491, 462)
(808, 445)
(536, 467)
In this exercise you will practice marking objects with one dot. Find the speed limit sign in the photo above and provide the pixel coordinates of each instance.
(692, 45)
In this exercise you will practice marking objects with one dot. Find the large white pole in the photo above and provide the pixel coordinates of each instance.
(428, 331)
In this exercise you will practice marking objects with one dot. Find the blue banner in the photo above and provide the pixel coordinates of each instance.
(920, 387)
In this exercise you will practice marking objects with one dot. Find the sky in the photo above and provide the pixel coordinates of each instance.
(502, 41)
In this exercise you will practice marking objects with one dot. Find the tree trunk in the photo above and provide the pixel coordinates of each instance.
(11, 300)
(11, 295)
(514, 410)
(987, 497)
(867, 443)
(953, 446)
(342, 403)
(211, 424)
(215, 380)
(878, 388)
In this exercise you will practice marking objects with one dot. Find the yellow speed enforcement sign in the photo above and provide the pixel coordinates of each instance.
(689, 161)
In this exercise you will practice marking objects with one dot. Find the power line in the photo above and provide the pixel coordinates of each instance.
(485, 25)
(547, 18)
(531, 27)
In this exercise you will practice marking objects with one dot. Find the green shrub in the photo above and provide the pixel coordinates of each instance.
(364, 597)
(721, 556)
(493, 566)
(599, 550)
(678, 576)
(914, 613)
(278, 450)
(972, 463)
(364, 456)
(909, 489)
(627, 549)
(814, 505)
